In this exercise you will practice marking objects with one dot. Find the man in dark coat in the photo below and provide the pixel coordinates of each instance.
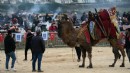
(28, 43)
(78, 52)
(38, 48)
(9, 45)
(127, 43)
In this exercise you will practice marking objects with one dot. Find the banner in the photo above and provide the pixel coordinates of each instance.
(18, 37)
(45, 35)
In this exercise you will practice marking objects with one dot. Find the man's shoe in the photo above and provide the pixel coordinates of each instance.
(13, 69)
(6, 69)
(78, 60)
(33, 70)
(31, 60)
(40, 71)
(25, 60)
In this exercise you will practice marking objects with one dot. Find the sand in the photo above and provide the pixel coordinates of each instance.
(64, 60)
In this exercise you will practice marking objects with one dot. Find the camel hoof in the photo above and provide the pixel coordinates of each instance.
(81, 66)
(122, 65)
(111, 65)
(89, 66)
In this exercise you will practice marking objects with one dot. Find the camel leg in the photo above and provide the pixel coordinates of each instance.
(83, 56)
(90, 60)
(116, 53)
(121, 48)
(116, 57)
(123, 55)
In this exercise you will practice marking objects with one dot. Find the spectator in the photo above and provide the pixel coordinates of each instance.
(38, 48)
(75, 19)
(9, 45)
(48, 18)
(52, 28)
(15, 21)
(84, 17)
(20, 21)
(124, 15)
(36, 20)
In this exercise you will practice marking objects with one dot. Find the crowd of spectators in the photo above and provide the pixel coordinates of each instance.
(27, 20)
(23, 20)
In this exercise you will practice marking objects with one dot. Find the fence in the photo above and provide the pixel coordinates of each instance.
(50, 43)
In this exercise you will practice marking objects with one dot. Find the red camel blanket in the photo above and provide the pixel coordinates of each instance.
(106, 23)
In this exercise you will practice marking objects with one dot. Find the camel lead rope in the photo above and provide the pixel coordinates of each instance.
(16, 53)
(72, 55)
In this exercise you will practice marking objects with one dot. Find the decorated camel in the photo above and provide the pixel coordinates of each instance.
(86, 38)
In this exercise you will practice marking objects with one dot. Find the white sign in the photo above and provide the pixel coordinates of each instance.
(18, 37)
(45, 35)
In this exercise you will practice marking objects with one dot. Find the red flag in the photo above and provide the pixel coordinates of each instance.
(52, 36)
(1, 38)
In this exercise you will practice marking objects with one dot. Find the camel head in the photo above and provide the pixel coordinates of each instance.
(64, 24)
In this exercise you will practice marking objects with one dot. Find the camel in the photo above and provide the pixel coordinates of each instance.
(72, 37)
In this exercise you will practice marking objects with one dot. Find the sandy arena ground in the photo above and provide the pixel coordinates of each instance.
(64, 60)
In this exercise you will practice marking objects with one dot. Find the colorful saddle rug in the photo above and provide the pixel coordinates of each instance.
(85, 31)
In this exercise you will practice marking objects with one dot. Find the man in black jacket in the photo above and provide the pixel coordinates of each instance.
(28, 43)
(78, 52)
(38, 48)
(9, 45)
(127, 43)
